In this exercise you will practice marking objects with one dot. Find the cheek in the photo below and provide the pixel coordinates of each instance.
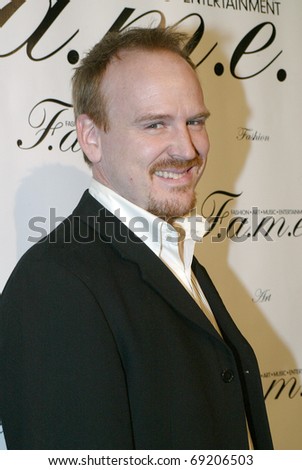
(134, 155)
(113, 153)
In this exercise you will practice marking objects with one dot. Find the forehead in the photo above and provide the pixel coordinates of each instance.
(148, 74)
(132, 58)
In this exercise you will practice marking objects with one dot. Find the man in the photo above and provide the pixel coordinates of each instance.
(113, 335)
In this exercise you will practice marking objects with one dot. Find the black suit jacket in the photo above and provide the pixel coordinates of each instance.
(102, 348)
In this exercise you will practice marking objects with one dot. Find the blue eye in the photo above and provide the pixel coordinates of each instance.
(155, 125)
(196, 122)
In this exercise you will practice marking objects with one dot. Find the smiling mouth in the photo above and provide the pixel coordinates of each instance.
(171, 174)
(171, 169)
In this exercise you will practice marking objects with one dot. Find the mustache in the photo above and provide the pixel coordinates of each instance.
(171, 163)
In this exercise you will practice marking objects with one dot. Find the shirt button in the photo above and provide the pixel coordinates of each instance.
(227, 375)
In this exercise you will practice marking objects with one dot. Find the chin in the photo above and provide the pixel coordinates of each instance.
(172, 207)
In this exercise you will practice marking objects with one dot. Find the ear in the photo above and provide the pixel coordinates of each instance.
(89, 138)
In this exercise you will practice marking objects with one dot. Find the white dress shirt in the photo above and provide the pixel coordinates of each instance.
(174, 245)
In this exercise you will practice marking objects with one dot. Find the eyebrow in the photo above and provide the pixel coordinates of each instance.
(204, 115)
(149, 117)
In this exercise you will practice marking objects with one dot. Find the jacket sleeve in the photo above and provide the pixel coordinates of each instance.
(62, 382)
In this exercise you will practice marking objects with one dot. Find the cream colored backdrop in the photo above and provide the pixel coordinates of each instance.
(249, 61)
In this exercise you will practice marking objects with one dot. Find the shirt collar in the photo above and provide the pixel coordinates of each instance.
(173, 243)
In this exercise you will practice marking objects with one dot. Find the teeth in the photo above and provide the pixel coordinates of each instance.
(169, 174)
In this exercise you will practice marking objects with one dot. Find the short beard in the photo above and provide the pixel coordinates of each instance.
(173, 208)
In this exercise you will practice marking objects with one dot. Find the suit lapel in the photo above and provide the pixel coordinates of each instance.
(231, 333)
(153, 271)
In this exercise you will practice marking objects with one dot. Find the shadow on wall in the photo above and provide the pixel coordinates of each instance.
(44, 199)
(227, 102)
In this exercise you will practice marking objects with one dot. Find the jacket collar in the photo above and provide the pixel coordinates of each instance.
(154, 272)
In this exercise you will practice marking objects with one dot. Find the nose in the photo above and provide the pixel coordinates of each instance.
(182, 146)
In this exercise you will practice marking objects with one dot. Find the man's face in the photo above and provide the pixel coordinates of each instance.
(155, 149)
